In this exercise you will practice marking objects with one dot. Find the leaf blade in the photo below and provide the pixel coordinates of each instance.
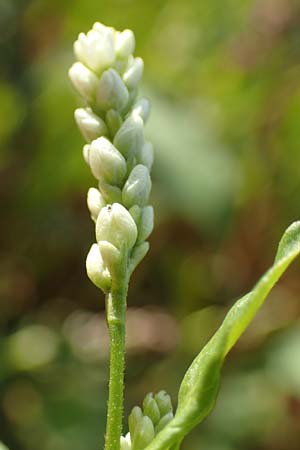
(200, 385)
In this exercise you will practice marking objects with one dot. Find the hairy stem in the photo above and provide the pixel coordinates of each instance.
(116, 312)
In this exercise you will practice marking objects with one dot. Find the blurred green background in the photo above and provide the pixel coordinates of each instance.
(224, 80)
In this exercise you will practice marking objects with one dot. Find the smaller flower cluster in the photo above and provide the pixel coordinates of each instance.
(107, 76)
(145, 423)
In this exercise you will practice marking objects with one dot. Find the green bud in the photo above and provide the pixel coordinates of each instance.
(90, 125)
(142, 108)
(146, 223)
(125, 43)
(134, 73)
(146, 155)
(113, 120)
(115, 225)
(106, 161)
(144, 434)
(130, 137)
(164, 403)
(137, 188)
(134, 417)
(112, 92)
(95, 202)
(163, 422)
(96, 270)
(84, 81)
(138, 254)
(150, 408)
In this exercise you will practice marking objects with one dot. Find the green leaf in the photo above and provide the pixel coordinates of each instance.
(200, 385)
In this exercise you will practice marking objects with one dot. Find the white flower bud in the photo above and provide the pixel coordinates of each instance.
(125, 43)
(111, 256)
(130, 137)
(84, 80)
(95, 202)
(146, 155)
(125, 442)
(112, 92)
(120, 65)
(146, 223)
(142, 108)
(137, 188)
(106, 161)
(115, 225)
(85, 153)
(90, 125)
(96, 48)
(101, 28)
(134, 73)
(96, 270)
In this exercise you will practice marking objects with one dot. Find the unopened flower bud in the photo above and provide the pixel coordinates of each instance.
(113, 120)
(95, 202)
(146, 223)
(134, 73)
(96, 270)
(106, 161)
(111, 257)
(150, 408)
(125, 43)
(115, 225)
(112, 92)
(144, 434)
(163, 422)
(137, 255)
(90, 125)
(142, 108)
(146, 155)
(111, 194)
(130, 137)
(96, 48)
(125, 442)
(136, 212)
(85, 153)
(164, 403)
(84, 80)
(137, 188)
(132, 98)
(134, 417)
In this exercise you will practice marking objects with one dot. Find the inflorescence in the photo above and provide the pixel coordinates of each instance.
(107, 76)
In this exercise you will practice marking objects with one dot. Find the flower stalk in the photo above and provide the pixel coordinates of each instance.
(116, 310)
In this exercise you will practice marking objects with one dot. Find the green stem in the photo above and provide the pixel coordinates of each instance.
(116, 312)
